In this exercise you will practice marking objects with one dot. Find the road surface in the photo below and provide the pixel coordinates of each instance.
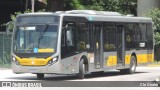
(142, 74)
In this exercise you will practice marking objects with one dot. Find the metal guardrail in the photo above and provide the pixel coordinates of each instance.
(156, 53)
(5, 49)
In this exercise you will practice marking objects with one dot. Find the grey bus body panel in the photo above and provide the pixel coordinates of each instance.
(70, 65)
(36, 69)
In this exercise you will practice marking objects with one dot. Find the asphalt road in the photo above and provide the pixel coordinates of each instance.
(142, 74)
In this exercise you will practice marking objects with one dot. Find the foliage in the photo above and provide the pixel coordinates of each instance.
(157, 38)
(154, 13)
(122, 6)
(86, 4)
(10, 24)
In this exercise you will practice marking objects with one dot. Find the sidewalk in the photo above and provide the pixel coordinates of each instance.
(5, 68)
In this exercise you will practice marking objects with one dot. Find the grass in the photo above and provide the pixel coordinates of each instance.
(155, 64)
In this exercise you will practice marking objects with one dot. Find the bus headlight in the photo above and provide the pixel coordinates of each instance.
(53, 61)
(15, 61)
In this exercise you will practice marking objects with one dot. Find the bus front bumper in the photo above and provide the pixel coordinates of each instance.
(36, 69)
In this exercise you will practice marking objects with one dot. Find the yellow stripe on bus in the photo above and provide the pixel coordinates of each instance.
(127, 59)
(111, 61)
(141, 58)
(33, 61)
(46, 50)
(144, 58)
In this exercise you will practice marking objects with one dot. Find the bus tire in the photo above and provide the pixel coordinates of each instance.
(123, 71)
(81, 69)
(132, 67)
(100, 72)
(40, 76)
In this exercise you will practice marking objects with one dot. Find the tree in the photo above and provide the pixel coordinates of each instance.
(10, 24)
(86, 4)
(122, 6)
(154, 13)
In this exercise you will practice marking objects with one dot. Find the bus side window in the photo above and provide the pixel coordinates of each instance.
(68, 44)
(69, 37)
(109, 37)
(83, 37)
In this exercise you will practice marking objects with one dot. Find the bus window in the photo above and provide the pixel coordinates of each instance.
(83, 36)
(143, 32)
(69, 37)
(130, 36)
(68, 44)
(109, 37)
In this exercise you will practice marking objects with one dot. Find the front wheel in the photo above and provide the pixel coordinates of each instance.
(40, 76)
(81, 69)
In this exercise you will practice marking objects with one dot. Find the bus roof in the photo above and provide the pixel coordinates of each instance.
(113, 18)
(37, 13)
(93, 15)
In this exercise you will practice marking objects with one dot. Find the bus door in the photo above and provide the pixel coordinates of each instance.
(97, 44)
(120, 39)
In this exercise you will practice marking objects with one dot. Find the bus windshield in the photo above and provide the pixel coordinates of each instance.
(35, 38)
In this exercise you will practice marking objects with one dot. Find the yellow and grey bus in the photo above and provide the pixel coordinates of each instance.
(79, 42)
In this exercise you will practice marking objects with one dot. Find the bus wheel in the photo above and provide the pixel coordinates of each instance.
(40, 76)
(81, 69)
(132, 67)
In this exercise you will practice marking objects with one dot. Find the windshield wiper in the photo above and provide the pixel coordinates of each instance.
(41, 35)
(45, 29)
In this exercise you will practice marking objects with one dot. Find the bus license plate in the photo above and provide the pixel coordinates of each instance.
(33, 70)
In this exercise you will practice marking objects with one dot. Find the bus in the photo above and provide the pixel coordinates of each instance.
(80, 42)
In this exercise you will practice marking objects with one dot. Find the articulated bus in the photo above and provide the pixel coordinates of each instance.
(80, 42)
